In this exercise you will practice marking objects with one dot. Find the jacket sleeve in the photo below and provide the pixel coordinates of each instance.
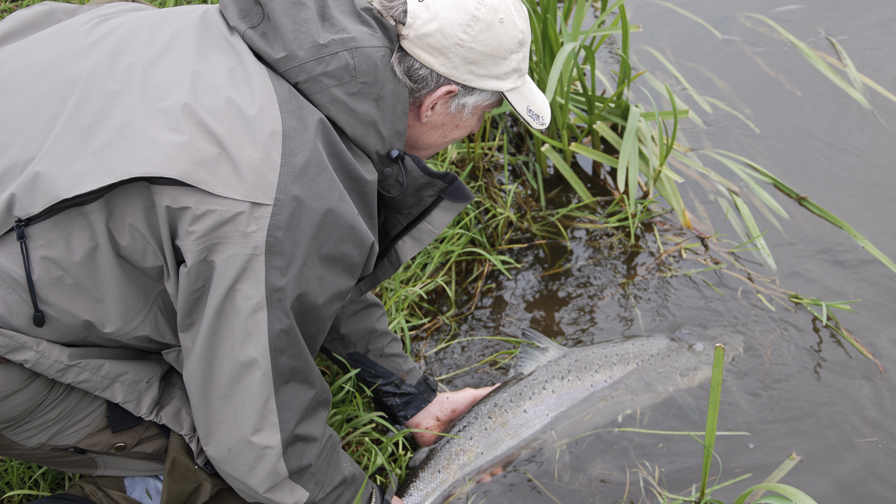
(360, 335)
(259, 402)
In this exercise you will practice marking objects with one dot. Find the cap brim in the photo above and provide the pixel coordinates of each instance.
(530, 103)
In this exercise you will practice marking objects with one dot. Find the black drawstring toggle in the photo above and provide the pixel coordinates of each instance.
(395, 155)
(38, 316)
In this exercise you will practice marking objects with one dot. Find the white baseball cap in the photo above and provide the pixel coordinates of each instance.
(479, 43)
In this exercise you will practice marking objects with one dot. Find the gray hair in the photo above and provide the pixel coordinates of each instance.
(421, 80)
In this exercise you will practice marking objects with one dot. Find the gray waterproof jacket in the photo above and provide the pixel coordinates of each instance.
(196, 201)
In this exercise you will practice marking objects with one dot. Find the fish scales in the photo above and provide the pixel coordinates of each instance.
(511, 414)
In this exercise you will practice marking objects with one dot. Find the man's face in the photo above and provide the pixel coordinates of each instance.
(432, 126)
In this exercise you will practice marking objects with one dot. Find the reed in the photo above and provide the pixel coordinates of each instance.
(633, 142)
(785, 494)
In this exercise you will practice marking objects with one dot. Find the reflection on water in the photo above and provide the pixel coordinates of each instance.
(796, 387)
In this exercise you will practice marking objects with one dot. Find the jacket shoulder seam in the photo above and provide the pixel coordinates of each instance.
(331, 53)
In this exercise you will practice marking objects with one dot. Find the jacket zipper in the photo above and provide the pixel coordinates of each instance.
(87, 198)
(93, 196)
(38, 316)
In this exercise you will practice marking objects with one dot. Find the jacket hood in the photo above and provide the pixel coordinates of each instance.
(336, 54)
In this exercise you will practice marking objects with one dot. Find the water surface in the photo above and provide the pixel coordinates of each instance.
(797, 387)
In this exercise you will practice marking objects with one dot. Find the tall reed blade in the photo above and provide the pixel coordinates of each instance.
(792, 494)
(627, 174)
(688, 14)
(851, 70)
(865, 79)
(755, 235)
(567, 172)
(776, 475)
(697, 96)
(813, 207)
(817, 62)
(625, 67)
(712, 415)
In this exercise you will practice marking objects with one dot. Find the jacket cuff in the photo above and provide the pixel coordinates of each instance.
(381, 495)
(378, 495)
(398, 399)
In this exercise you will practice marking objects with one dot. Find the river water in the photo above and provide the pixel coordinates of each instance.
(796, 387)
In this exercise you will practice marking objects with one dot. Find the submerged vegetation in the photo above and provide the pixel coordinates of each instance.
(648, 477)
(611, 162)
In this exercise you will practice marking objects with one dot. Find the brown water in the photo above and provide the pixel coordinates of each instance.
(796, 387)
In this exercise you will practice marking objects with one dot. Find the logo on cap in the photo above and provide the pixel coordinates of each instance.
(538, 118)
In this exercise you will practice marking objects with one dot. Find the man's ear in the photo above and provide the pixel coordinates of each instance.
(439, 100)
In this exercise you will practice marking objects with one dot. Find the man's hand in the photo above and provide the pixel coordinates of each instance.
(442, 412)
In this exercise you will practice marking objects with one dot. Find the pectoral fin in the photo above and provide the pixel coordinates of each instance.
(418, 457)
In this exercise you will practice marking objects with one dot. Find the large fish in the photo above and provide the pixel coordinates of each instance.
(550, 382)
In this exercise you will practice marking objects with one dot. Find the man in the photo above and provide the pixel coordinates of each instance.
(198, 200)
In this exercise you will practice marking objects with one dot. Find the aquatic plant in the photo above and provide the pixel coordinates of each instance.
(640, 160)
(702, 493)
(618, 134)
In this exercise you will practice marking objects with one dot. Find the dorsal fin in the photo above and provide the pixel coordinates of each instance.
(530, 357)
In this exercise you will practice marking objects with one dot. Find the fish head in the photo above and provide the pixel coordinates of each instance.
(695, 364)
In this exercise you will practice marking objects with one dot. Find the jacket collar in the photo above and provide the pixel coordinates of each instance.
(337, 54)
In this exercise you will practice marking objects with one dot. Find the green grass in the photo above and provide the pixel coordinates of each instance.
(377, 446)
(23, 481)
